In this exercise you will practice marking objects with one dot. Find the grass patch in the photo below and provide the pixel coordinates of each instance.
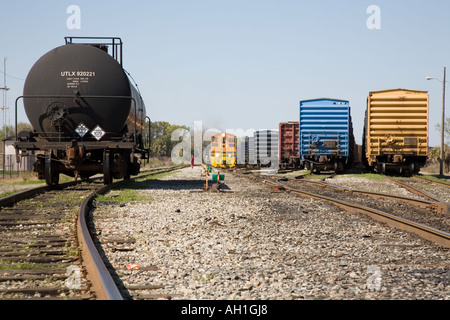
(156, 176)
(4, 265)
(369, 176)
(435, 178)
(317, 176)
(29, 181)
(5, 194)
(121, 196)
(128, 191)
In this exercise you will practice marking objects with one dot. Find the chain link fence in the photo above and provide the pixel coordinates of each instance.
(9, 167)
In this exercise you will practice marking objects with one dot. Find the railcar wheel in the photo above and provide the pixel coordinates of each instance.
(51, 175)
(127, 166)
(107, 174)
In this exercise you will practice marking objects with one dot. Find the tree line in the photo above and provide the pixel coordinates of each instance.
(160, 139)
(9, 131)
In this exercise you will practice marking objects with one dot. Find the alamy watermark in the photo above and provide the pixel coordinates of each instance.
(374, 20)
(73, 282)
(74, 20)
(374, 281)
(262, 154)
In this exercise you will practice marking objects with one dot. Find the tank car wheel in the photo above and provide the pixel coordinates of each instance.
(127, 167)
(51, 176)
(107, 174)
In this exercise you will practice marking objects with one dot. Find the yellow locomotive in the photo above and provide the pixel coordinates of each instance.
(223, 150)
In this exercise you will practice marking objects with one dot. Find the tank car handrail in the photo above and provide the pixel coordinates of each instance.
(79, 96)
(113, 43)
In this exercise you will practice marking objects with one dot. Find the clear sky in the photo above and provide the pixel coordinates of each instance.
(245, 64)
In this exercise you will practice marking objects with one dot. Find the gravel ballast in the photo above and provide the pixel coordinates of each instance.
(250, 242)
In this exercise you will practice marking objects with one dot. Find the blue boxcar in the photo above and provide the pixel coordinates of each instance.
(326, 134)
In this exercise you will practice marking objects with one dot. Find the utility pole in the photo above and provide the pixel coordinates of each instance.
(441, 161)
(5, 91)
(441, 164)
(4, 108)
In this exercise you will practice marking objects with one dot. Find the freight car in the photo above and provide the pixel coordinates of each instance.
(243, 152)
(86, 114)
(326, 138)
(395, 136)
(288, 145)
(223, 150)
(263, 149)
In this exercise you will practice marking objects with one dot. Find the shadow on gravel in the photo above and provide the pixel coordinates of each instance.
(171, 185)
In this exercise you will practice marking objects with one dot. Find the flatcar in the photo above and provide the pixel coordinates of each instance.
(86, 114)
(326, 138)
(395, 136)
(223, 150)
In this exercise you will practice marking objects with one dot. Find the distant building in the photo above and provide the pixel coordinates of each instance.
(8, 160)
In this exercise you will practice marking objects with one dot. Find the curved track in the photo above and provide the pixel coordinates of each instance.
(39, 252)
(440, 183)
(46, 250)
(427, 218)
(411, 185)
(97, 272)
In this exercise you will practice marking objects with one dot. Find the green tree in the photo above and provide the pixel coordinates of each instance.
(436, 152)
(435, 155)
(161, 143)
(9, 131)
(446, 128)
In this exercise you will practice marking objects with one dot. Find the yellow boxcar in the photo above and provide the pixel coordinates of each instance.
(396, 130)
(223, 150)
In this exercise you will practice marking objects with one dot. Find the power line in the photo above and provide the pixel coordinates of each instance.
(10, 76)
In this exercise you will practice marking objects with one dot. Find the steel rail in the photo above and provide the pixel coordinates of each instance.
(439, 205)
(437, 236)
(97, 273)
(444, 184)
(26, 194)
(102, 283)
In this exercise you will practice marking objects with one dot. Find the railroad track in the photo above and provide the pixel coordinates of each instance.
(39, 253)
(440, 183)
(434, 190)
(426, 217)
(46, 250)
(103, 282)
